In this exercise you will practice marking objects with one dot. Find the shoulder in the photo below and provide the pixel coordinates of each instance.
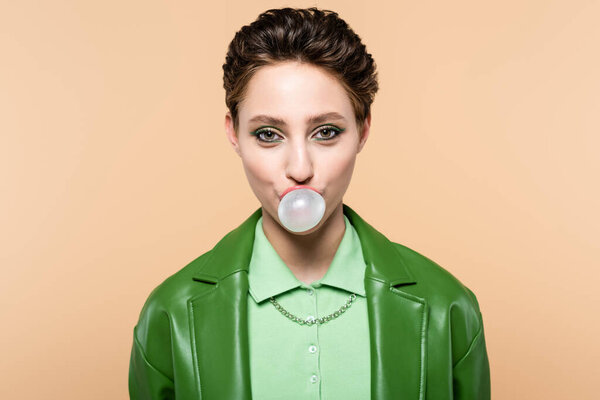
(433, 276)
(170, 297)
(444, 292)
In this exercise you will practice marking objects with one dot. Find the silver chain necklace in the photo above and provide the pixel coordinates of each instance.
(311, 320)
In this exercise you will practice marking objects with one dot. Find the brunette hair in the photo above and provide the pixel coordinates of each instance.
(310, 35)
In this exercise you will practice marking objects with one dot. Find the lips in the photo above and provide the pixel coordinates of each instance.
(297, 187)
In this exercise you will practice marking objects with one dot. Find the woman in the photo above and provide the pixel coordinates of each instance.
(333, 311)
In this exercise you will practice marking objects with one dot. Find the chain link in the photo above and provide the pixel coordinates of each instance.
(313, 321)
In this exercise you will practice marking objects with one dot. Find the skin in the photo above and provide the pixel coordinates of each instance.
(292, 92)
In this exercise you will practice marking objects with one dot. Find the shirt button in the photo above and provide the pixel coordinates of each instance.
(314, 378)
(309, 292)
(312, 349)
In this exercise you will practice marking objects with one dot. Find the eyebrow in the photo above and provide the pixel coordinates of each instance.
(314, 119)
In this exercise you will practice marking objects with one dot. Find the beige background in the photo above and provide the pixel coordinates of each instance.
(116, 173)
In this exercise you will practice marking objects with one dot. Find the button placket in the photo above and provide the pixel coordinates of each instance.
(313, 343)
(310, 291)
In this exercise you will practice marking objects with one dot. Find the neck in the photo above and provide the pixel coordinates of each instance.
(308, 254)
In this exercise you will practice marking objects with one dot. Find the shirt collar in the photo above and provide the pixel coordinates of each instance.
(269, 276)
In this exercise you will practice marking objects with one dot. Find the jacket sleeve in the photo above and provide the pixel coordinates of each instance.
(146, 382)
(471, 373)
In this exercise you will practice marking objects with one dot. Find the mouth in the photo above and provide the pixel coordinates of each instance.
(297, 187)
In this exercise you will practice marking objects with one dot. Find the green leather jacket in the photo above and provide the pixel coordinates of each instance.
(426, 329)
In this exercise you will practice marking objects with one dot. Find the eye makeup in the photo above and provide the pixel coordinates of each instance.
(272, 130)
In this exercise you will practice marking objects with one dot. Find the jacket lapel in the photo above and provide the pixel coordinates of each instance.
(397, 320)
(218, 317)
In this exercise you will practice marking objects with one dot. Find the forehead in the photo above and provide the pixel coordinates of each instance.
(292, 91)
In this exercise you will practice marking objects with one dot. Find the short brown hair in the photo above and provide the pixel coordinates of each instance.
(310, 35)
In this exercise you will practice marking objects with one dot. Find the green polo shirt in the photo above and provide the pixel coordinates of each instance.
(293, 361)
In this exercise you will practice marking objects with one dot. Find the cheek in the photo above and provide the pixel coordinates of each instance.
(258, 172)
(339, 170)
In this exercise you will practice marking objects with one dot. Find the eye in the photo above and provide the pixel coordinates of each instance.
(331, 132)
(267, 134)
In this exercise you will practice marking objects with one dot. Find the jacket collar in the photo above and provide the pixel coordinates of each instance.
(398, 320)
(383, 262)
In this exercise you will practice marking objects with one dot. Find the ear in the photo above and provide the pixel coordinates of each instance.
(230, 133)
(364, 133)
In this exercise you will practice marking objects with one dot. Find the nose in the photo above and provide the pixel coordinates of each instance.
(299, 164)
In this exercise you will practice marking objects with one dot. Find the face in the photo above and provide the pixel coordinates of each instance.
(296, 127)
